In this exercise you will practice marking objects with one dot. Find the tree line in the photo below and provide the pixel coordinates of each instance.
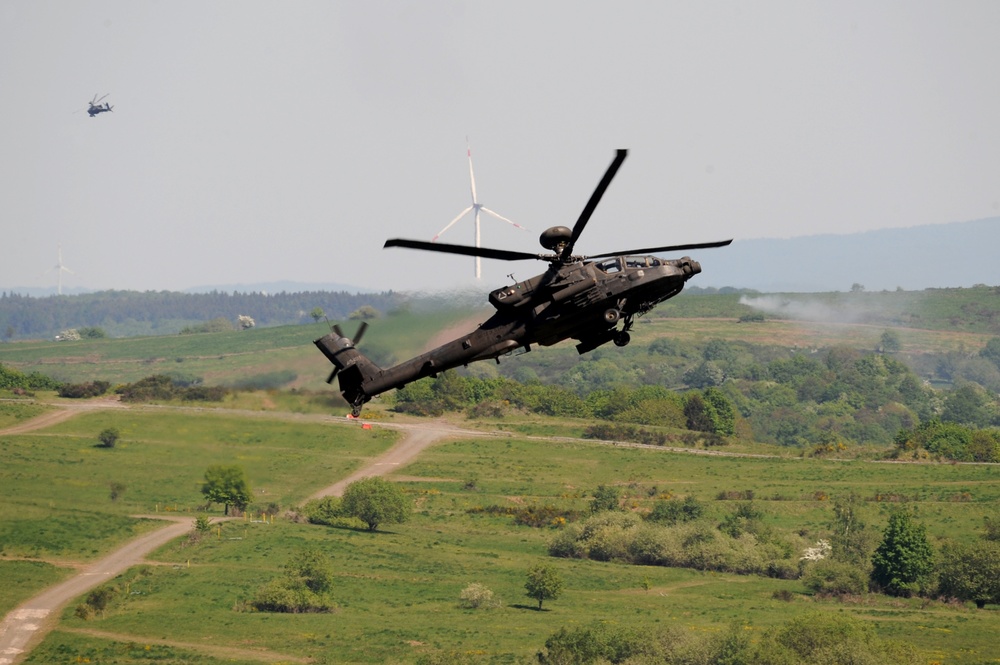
(125, 313)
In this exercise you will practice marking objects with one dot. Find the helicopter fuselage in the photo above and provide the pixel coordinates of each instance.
(585, 301)
(575, 298)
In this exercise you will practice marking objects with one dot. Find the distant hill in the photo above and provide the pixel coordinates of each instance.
(961, 254)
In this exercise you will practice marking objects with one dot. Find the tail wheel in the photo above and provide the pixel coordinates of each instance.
(622, 338)
(612, 315)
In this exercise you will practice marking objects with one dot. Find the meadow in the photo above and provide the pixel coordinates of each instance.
(397, 589)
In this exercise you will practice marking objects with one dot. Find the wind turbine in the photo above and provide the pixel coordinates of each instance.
(60, 268)
(475, 208)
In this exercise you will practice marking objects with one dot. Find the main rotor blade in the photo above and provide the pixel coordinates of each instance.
(667, 248)
(595, 198)
(99, 100)
(465, 250)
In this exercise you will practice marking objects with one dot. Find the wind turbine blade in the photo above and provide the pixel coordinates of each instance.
(472, 176)
(451, 223)
(502, 218)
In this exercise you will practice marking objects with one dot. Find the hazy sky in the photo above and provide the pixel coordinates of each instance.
(259, 141)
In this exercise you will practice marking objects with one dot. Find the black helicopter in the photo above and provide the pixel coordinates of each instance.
(96, 107)
(579, 297)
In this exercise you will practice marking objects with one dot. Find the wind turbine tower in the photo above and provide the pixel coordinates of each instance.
(60, 268)
(475, 208)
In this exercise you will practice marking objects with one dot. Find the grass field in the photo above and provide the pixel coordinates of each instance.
(397, 589)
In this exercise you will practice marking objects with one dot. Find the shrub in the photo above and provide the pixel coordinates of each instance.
(109, 437)
(476, 596)
(829, 577)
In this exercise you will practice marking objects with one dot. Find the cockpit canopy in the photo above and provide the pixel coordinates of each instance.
(615, 264)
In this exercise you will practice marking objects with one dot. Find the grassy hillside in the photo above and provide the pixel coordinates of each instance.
(397, 589)
(939, 321)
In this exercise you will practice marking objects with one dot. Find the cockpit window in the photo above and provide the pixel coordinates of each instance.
(610, 266)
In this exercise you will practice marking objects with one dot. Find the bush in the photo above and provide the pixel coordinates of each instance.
(835, 578)
(84, 390)
(476, 596)
(325, 511)
(109, 437)
(375, 501)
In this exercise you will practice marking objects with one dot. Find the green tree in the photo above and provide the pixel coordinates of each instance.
(606, 497)
(853, 541)
(971, 572)
(375, 501)
(317, 313)
(903, 561)
(967, 405)
(227, 485)
(890, 342)
(109, 437)
(312, 569)
(992, 351)
(722, 414)
(544, 583)
(363, 313)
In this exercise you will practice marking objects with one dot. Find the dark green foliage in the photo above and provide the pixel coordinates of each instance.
(161, 388)
(84, 390)
(672, 511)
(951, 441)
(375, 501)
(621, 432)
(543, 583)
(836, 578)
(227, 485)
(308, 578)
(109, 437)
(91, 332)
(902, 563)
(852, 538)
(745, 517)
(531, 515)
(12, 379)
(813, 639)
(326, 511)
(606, 497)
(971, 572)
(992, 351)
(968, 405)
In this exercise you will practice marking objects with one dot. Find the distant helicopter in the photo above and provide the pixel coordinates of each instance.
(96, 107)
(577, 297)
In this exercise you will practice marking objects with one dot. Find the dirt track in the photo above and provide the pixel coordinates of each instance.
(27, 625)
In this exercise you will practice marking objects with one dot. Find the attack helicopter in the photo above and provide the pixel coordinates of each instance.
(96, 106)
(585, 298)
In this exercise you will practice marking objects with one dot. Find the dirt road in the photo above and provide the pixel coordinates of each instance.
(27, 625)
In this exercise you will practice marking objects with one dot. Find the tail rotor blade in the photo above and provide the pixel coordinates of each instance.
(336, 329)
(333, 375)
(360, 333)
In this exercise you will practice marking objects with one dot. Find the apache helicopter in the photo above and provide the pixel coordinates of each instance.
(96, 107)
(579, 297)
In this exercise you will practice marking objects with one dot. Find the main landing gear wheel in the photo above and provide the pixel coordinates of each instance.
(622, 338)
(612, 315)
